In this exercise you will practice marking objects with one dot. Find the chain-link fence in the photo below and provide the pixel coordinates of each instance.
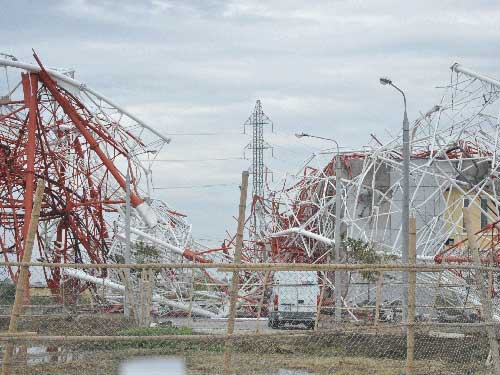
(279, 319)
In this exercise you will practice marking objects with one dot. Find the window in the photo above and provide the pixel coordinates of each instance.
(484, 209)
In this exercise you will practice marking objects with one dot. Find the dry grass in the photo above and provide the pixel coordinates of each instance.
(202, 362)
(344, 353)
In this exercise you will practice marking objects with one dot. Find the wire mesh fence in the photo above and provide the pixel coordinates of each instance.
(286, 319)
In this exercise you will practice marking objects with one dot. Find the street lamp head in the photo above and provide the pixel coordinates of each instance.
(301, 135)
(385, 81)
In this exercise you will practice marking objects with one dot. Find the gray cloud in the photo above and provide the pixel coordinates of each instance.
(199, 66)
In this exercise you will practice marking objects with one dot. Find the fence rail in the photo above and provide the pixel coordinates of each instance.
(284, 318)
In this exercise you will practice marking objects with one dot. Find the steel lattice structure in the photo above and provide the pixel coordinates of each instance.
(256, 121)
(454, 146)
(81, 143)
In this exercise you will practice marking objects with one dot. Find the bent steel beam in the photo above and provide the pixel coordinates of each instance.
(144, 210)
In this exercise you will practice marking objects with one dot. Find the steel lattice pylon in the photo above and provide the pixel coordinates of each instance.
(256, 121)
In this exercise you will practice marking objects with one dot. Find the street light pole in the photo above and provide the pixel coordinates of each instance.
(338, 221)
(127, 252)
(405, 211)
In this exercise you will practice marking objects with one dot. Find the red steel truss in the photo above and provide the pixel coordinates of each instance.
(50, 134)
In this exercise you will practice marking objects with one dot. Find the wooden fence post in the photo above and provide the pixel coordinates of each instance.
(483, 289)
(128, 292)
(261, 301)
(23, 274)
(191, 294)
(235, 279)
(434, 307)
(147, 291)
(320, 302)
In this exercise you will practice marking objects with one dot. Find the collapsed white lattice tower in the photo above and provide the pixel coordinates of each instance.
(454, 148)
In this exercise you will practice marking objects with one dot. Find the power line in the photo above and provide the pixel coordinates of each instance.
(194, 160)
(193, 186)
(221, 133)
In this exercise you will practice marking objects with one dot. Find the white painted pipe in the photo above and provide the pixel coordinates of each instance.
(212, 272)
(144, 209)
(330, 242)
(305, 233)
(80, 86)
(155, 240)
(471, 73)
(81, 275)
(148, 215)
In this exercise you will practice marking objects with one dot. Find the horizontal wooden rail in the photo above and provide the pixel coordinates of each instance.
(261, 266)
(342, 329)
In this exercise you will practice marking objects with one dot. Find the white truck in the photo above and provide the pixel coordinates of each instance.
(294, 298)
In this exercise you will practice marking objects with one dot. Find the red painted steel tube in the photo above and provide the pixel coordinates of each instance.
(81, 126)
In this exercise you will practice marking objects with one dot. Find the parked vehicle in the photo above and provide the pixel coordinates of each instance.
(460, 316)
(294, 299)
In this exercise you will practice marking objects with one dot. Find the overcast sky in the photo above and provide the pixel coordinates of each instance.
(199, 66)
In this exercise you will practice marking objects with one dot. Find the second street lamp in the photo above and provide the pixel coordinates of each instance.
(405, 210)
(338, 213)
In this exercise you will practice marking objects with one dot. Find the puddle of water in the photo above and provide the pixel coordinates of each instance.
(45, 354)
(153, 366)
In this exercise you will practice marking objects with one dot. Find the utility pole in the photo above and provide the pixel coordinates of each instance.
(233, 297)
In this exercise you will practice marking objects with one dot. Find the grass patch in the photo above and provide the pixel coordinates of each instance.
(170, 346)
(204, 362)
(155, 331)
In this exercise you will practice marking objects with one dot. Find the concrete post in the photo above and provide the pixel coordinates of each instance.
(412, 286)
(127, 251)
(405, 211)
(380, 284)
(338, 223)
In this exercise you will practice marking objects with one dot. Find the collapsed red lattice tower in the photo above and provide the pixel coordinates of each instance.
(49, 133)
